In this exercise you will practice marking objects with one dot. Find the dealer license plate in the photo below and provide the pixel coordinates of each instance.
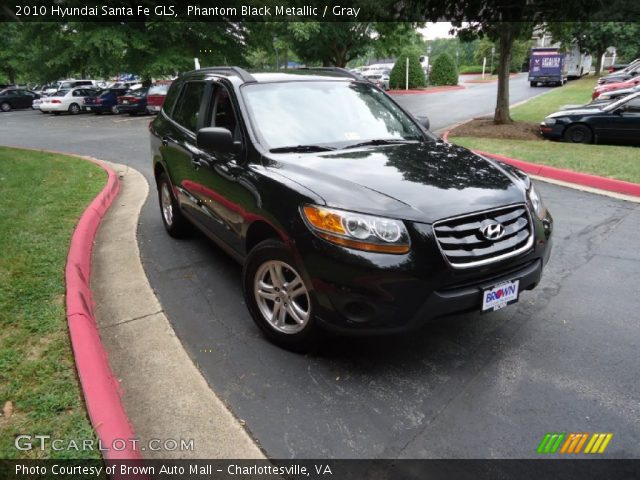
(500, 296)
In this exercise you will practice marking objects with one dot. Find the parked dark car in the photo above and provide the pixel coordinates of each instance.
(615, 122)
(348, 215)
(15, 98)
(156, 96)
(133, 102)
(105, 101)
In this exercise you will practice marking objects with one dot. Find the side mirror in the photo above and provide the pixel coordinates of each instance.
(424, 121)
(215, 139)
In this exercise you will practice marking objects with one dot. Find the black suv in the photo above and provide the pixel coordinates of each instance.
(347, 214)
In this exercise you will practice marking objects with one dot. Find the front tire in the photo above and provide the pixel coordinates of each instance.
(5, 107)
(533, 84)
(278, 298)
(115, 110)
(578, 134)
(172, 218)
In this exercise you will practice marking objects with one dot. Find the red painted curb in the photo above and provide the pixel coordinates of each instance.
(100, 387)
(570, 176)
(426, 92)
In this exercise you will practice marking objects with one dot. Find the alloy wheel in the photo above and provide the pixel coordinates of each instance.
(167, 205)
(282, 298)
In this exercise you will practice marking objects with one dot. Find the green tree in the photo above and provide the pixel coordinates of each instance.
(444, 71)
(398, 77)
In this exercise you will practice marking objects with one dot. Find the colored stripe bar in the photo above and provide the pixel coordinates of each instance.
(543, 443)
(606, 442)
(557, 443)
(581, 443)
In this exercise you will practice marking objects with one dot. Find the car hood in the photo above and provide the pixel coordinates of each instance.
(584, 110)
(419, 182)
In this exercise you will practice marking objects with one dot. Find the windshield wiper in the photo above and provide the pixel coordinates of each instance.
(301, 149)
(382, 141)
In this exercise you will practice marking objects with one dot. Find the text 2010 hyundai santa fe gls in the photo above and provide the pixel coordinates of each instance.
(347, 214)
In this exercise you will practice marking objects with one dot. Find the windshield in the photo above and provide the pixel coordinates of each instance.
(326, 113)
(619, 103)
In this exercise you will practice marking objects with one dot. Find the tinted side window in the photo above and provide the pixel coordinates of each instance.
(223, 114)
(171, 97)
(188, 107)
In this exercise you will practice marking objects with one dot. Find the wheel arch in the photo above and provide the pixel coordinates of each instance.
(259, 231)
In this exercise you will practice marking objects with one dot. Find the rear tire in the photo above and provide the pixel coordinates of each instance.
(74, 109)
(172, 218)
(115, 110)
(578, 134)
(278, 298)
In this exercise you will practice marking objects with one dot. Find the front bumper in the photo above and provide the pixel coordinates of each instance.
(553, 132)
(366, 293)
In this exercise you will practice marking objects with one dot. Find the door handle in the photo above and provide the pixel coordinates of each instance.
(198, 162)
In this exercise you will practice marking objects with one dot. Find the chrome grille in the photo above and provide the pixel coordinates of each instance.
(463, 244)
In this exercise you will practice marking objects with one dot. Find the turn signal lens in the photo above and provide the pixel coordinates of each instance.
(358, 231)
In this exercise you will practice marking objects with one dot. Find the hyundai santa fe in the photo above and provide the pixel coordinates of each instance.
(347, 214)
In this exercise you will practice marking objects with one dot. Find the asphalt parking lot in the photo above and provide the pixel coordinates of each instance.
(563, 359)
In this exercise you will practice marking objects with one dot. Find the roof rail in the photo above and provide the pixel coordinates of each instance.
(237, 71)
(341, 71)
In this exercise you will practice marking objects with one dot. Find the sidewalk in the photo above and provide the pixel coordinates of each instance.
(163, 392)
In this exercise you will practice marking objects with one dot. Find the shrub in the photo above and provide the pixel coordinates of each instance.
(397, 79)
(444, 71)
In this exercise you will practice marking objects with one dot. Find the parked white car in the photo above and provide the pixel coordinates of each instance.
(66, 100)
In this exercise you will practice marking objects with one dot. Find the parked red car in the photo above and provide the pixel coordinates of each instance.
(599, 90)
(156, 96)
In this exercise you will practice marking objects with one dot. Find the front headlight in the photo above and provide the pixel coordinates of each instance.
(357, 230)
(549, 121)
(536, 202)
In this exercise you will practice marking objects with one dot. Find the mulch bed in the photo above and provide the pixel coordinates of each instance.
(484, 127)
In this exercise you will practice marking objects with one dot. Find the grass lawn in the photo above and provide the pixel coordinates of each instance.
(43, 195)
(605, 160)
(575, 92)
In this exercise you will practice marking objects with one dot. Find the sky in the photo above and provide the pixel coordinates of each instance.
(436, 30)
